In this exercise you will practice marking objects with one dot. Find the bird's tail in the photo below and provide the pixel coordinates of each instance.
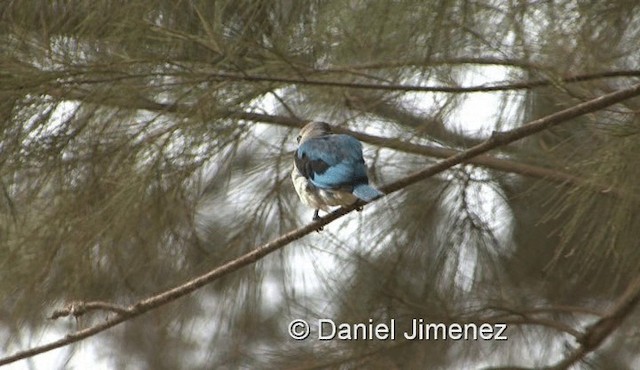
(367, 192)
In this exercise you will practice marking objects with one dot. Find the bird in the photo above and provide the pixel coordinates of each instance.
(329, 169)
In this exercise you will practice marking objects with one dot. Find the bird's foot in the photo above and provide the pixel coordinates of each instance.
(316, 217)
(359, 208)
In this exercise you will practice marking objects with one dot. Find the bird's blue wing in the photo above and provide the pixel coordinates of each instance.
(332, 162)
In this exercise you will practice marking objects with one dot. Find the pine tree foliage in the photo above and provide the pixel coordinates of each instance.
(143, 143)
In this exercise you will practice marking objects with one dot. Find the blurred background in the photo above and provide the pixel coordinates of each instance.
(143, 143)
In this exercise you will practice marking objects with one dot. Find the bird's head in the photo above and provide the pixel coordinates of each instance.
(313, 129)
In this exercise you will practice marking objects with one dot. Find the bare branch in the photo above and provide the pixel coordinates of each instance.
(487, 161)
(506, 137)
(437, 62)
(601, 329)
(219, 76)
(77, 77)
(595, 336)
(78, 309)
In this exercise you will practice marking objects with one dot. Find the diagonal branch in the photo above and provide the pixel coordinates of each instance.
(496, 140)
(488, 161)
(603, 328)
(598, 332)
(502, 138)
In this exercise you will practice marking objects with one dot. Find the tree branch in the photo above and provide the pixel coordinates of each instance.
(221, 76)
(504, 165)
(80, 308)
(502, 138)
(598, 332)
(436, 62)
(433, 127)
(601, 329)
(76, 77)
(555, 309)
(498, 139)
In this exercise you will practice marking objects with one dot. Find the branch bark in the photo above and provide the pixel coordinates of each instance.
(497, 139)
(597, 333)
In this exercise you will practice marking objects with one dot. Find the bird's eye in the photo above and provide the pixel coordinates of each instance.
(298, 138)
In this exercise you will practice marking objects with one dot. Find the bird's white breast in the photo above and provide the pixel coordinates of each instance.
(317, 198)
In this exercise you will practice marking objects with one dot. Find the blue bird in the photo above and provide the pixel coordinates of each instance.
(329, 170)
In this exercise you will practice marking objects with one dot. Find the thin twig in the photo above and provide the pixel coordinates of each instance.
(336, 363)
(220, 76)
(528, 320)
(76, 77)
(496, 140)
(437, 62)
(565, 309)
(504, 165)
(552, 310)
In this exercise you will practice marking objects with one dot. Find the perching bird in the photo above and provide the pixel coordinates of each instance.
(329, 170)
